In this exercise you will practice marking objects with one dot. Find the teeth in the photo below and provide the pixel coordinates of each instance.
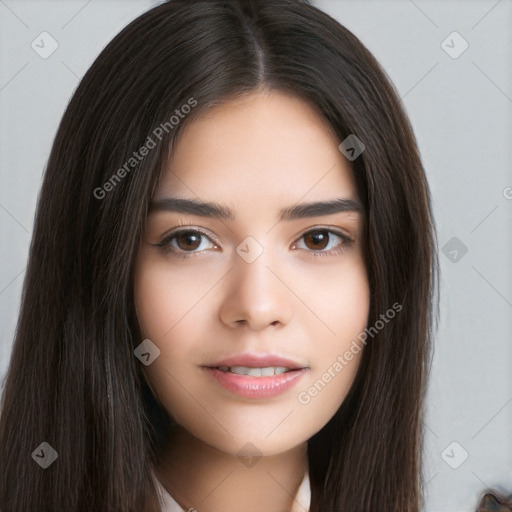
(255, 372)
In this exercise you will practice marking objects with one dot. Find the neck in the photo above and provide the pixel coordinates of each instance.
(199, 476)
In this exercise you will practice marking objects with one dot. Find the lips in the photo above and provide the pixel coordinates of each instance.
(258, 361)
(262, 387)
(255, 376)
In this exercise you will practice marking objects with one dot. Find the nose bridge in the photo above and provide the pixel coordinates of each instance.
(255, 294)
(252, 269)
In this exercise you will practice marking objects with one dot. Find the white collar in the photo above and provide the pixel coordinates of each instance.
(302, 501)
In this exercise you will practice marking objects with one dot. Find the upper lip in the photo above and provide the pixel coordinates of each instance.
(258, 361)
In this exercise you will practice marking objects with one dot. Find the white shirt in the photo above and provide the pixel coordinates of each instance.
(301, 504)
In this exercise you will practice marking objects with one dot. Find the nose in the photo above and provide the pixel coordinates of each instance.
(256, 295)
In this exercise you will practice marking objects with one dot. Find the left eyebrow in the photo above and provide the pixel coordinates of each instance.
(218, 211)
(321, 208)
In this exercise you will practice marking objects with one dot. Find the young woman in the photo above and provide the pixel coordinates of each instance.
(230, 295)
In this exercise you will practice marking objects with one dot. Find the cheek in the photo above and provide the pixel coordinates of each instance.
(339, 296)
(350, 307)
(169, 311)
(350, 318)
(164, 299)
(343, 307)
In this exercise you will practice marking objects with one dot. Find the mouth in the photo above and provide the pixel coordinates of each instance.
(257, 365)
(255, 383)
(256, 376)
(266, 371)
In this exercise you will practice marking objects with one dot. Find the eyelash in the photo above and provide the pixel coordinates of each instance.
(165, 242)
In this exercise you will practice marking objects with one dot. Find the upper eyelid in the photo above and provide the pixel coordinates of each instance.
(185, 229)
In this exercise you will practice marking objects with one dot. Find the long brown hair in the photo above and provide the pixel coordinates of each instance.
(73, 381)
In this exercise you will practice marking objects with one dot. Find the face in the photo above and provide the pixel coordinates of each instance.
(261, 275)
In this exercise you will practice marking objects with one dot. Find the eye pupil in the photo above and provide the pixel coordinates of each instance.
(317, 237)
(191, 240)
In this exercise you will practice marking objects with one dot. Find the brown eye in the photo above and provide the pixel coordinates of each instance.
(188, 240)
(324, 242)
(317, 240)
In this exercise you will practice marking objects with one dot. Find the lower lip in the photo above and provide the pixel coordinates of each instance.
(256, 387)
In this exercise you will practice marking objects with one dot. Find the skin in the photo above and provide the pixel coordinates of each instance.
(256, 155)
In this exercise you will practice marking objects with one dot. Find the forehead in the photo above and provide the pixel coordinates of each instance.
(263, 148)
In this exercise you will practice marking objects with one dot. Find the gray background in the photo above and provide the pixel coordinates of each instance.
(460, 109)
